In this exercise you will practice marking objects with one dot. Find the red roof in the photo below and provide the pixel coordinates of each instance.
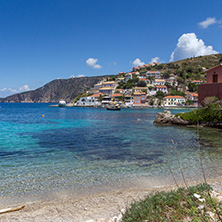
(117, 95)
(96, 95)
(179, 97)
(161, 87)
(194, 94)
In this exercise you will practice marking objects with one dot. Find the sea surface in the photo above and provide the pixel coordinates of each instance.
(45, 150)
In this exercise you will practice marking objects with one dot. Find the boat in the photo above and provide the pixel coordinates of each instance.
(62, 103)
(114, 108)
(113, 105)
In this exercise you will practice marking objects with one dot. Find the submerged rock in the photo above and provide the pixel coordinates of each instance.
(167, 118)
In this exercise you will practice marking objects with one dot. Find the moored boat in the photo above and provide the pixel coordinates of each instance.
(62, 103)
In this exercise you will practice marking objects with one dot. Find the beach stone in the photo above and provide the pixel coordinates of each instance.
(167, 118)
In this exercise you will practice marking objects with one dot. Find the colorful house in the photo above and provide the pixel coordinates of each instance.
(213, 86)
(139, 98)
(173, 100)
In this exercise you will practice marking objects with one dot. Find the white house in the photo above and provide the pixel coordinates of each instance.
(173, 100)
(159, 82)
(162, 88)
(155, 74)
(89, 100)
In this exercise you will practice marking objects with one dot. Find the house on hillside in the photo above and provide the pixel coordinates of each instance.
(193, 97)
(162, 89)
(159, 82)
(155, 74)
(112, 84)
(197, 82)
(213, 86)
(173, 100)
(107, 90)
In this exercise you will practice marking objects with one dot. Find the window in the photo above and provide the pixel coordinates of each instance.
(215, 78)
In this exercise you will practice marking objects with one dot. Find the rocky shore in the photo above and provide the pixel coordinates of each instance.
(167, 118)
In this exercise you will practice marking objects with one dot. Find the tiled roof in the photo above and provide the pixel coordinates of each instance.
(174, 97)
(161, 87)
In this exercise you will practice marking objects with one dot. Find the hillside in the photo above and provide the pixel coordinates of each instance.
(55, 90)
(190, 68)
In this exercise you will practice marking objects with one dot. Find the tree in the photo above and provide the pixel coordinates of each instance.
(141, 84)
(192, 87)
(160, 94)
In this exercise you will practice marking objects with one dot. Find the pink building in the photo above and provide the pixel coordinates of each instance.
(139, 98)
(213, 87)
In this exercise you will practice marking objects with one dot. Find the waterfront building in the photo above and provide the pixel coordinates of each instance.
(173, 100)
(139, 98)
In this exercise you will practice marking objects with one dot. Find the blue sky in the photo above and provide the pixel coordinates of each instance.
(43, 40)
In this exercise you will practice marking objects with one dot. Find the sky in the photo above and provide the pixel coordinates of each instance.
(42, 40)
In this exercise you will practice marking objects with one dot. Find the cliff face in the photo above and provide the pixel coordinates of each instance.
(55, 90)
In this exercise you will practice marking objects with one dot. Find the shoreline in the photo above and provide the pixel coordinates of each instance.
(101, 206)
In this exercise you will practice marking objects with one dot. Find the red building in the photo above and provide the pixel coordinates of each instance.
(213, 87)
(139, 98)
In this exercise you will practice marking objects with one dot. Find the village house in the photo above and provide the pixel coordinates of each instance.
(112, 84)
(128, 99)
(193, 97)
(172, 81)
(128, 76)
(117, 96)
(162, 89)
(98, 85)
(121, 79)
(159, 82)
(89, 100)
(173, 100)
(106, 100)
(107, 90)
(213, 86)
(155, 74)
(139, 98)
(197, 82)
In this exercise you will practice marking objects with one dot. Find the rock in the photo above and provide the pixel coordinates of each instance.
(167, 118)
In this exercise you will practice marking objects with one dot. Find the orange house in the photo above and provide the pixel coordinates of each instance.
(213, 87)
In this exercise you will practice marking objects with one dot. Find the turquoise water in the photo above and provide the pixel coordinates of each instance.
(76, 148)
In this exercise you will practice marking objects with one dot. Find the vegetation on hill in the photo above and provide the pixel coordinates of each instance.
(187, 69)
(210, 114)
(179, 205)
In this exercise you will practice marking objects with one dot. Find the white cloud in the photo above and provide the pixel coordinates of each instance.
(91, 62)
(80, 75)
(9, 91)
(155, 59)
(24, 88)
(138, 62)
(209, 21)
(190, 46)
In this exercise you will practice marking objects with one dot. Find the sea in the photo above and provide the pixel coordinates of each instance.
(46, 150)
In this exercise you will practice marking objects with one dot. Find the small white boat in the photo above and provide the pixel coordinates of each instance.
(62, 103)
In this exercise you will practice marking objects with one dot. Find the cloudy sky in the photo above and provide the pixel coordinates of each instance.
(44, 40)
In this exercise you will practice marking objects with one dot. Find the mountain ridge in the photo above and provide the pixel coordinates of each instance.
(55, 90)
